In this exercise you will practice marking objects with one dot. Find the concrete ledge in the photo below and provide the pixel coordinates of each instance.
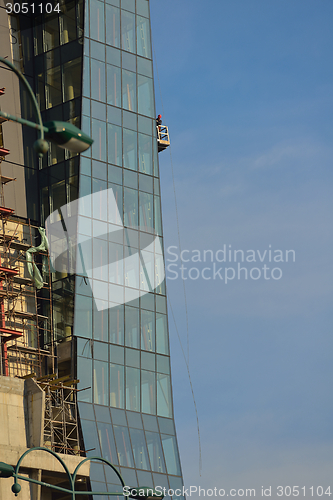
(42, 460)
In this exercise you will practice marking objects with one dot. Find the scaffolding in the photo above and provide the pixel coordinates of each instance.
(61, 432)
(26, 331)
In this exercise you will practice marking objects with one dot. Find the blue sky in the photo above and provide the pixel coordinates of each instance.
(247, 94)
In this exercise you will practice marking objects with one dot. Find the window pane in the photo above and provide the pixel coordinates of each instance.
(132, 268)
(161, 334)
(130, 207)
(146, 211)
(171, 455)
(98, 80)
(99, 136)
(84, 373)
(139, 449)
(107, 443)
(83, 317)
(129, 90)
(147, 330)
(123, 446)
(116, 325)
(132, 327)
(115, 207)
(116, 267)
(72, 79)
(148, 392)
(101, 328)
(130, 150)
(143, 37)
(164, 402)
(114, 89)
(128, 31)
(101, 383)
(155, 452)
(114, 144)
(116, 386)
(158, 216)
(90, 437)
(97, 31)
(145, 154)
(132, 389)
(145, 96)
(53, 94)
(113, 26)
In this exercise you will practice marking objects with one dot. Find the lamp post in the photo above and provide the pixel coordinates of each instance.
(64, 134)
(7, 471)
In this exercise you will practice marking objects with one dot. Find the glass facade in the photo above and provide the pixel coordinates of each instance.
(94, 68)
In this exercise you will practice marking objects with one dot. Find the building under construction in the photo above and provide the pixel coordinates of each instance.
(85, 361)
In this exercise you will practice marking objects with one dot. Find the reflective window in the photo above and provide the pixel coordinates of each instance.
(114, 145)
(146, 211)
(115, 174)
(117, 354)
(131, 268)
(130, 149)
(155, 452)
(166, 425)
(115, 209)
(101, 383)
(53, 94)
(84, 373)
(143, 37)
(134, 420)
(145, 96)
(163, 364)
(101, 331)
(97, 50)
(139, 448)
(113, 26)
(68, 21)
(132, 357)
(148, 392)
(164, 402)
(99, 135)
(145, 154)
(72, 79)
(116, 324)
(142, 7)
(100, 258)
(98, 80)
(128, 5)
(128, 31)
(123, 446)
(97, 31)
(129, 91)
(158, 217)
(147, 330)
(113, 85)
(171, 454)
(131, 327)
(100, 350)
(161, 334)
(116, 267)
(132, 389)
(83, 317)
(148, 361)
(116, 386)
(107, 443)
(90, 437)
(130, 207)
(130, 179)
(146, 183)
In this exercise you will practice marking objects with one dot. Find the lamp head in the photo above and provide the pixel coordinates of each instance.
(67, 136)
(6, 470)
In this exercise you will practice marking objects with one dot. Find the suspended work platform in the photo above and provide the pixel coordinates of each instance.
(163, 139)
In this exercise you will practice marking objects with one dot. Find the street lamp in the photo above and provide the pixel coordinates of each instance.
(64, 134)
(7, 470)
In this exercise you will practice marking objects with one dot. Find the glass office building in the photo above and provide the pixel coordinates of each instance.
(92, 65)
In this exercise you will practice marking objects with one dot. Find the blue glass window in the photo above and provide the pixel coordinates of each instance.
(101, 330)
(129, 91)
(130, 207)
(147, 330)
(97, 31)
(133, 389)
(128, 31)
(148, 392)
(146, 211)
(164, 401)
(113, 26)
(90, 437)
(83, 317)
(116, 325)
(143, 37)
(101, 383)
(171, 454)
(99, 135)
(130, 149)
(107, 443)
(145, 96)
(84, 373)
(114, 144)
(113, 85)
(132, 327)
(98, 80)
(116, 386)
(139, 449)
(145, 154)
(155, 452)
(123, 446)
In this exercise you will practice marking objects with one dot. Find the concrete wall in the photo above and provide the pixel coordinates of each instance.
(22, 405)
